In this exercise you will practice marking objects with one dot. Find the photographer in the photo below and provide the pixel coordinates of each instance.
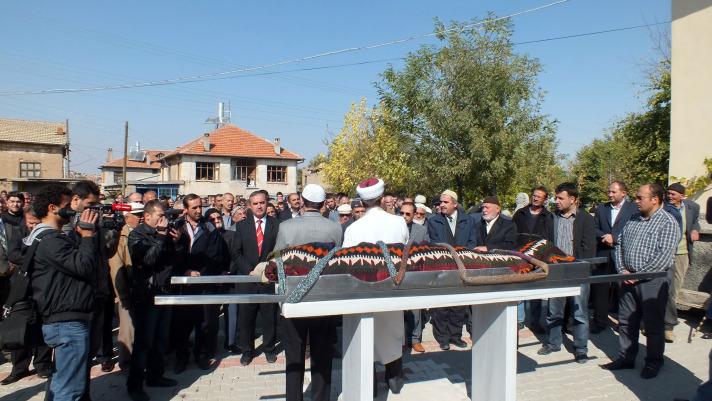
(206, 254)
(63, 286)
(152, 246)
(85, 195)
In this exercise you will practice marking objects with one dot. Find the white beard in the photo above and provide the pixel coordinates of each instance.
(421, 221)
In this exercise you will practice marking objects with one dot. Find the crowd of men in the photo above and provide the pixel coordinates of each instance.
(90, 267)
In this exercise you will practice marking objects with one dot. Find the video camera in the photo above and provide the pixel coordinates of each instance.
(113, 222)
(175, 218)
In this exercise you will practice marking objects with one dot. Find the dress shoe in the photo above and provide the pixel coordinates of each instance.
(548, 349)
(618, 364)
(459, 343)
(137, 394)
(180, 366)
(246, 358)
(204, 363)
(520, 326)
(669, 336)
(107, 366)
(233, 349)
(161, 382)
(395, 384)
(271, 357)
(444, 346)
(581, 357)
(13, 377)
(649, 371)
(44, 374)
(418, 347)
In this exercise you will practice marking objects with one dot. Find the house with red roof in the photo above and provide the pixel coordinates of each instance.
(230, 159)
(143, 172)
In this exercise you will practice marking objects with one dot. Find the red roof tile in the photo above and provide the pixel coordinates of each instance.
(236, 142)
(150, 154)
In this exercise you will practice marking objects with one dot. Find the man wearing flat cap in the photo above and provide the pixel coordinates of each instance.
(687, 214)
(311, 227)
(451, 225)
(379, 225)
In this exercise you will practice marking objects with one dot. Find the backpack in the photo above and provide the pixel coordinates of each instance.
(21, 325)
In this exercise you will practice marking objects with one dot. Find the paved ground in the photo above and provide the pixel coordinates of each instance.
(433, 375)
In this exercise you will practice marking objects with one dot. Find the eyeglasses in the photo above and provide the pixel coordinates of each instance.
(420, 213)
(406, 214)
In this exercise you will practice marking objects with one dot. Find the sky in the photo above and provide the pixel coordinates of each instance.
(588, 82)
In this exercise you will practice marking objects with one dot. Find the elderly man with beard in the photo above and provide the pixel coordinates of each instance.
(496, 232)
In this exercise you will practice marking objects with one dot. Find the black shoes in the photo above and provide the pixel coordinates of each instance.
(271, 357)
(649, 371)
(233, 349)
(395, 384)
(204, 363)
(161, 382)
(394, 375)
(458, 343)
(618, 364)
(548, 349)
(14, 377)
(246, 358)
(444, 346)
(44, 374)
(137, 394)
(581, 357)
(107, 366)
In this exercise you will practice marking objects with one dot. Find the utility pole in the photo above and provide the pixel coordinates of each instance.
(66, 149)
(126, 157)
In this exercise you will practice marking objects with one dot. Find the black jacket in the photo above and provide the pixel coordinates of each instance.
(154, 259)
(64, 277)
(244, 250)
(208, 255)
(502, 235)
(543, 223)
(602, 221)
(584, 235)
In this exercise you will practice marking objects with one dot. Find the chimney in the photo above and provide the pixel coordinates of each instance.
(277, 147)
(206, 142)
(109, 154)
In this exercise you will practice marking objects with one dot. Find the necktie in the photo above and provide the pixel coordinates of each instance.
(260, 237)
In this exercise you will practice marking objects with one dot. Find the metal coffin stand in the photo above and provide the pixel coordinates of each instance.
(494, 317)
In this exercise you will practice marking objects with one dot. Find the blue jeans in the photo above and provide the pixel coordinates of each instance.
(70, 341)
(555, 320)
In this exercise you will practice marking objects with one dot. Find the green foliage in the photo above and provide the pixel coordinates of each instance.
(366, 148)
(469, 110)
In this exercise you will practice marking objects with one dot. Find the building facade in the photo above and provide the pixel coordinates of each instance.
(230, 159)
(32, 153)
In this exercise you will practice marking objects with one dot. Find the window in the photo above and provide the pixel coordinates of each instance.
(30, 169)
(206, 171)
(277, 174)
(243, 170)
(118, 177)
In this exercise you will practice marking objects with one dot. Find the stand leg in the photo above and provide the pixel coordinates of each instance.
(494, 352)
(357, 362)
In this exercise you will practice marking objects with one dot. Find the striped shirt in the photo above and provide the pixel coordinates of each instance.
(648, 245)
(565, 232)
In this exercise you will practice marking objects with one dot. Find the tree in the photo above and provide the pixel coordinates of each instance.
(470, 111)
(366, 148)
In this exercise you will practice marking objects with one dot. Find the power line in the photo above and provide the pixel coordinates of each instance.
(204, 77)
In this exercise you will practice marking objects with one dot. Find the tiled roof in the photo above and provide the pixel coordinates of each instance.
(25, 131)
(235, 142)
(150, 154)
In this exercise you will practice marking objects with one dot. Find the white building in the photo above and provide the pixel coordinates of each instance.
(143, 172)
(230, 159)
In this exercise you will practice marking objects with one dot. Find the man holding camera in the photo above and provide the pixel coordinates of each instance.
(63, 286)
(152, 246)
(206, 254)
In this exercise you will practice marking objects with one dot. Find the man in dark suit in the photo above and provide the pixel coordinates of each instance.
(256, 237)
(414, 318)
(495, 231)
(293, 207)
(574, 234)
(687, 214)
(206, 255)
(452, 226)
(609, 220)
